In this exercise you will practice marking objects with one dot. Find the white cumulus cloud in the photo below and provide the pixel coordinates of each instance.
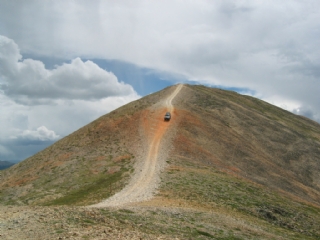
(41, 133)
(59, 100)
(27, 81)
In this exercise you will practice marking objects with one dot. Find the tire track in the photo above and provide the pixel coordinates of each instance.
(144, 183)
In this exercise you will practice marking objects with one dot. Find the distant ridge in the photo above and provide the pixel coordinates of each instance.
(5, 164)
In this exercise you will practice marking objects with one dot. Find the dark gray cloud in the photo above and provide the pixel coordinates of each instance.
(306, 112)
(18, 149)
(25, 143)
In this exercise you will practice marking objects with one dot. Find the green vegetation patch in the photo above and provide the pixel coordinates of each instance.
(204, 233)
(102, 188)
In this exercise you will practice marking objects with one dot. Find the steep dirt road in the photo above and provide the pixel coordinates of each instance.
(145, 182)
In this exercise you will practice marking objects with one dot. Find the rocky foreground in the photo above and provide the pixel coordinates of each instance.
(65, 223)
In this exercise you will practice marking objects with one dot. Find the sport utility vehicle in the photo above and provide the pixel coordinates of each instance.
(167, 117)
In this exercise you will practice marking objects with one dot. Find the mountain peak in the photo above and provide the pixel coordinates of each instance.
(219, 148)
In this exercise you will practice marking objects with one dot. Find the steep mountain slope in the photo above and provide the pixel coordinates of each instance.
(237, 152)
(87, 166)
(145, 182)
(227, 167)
(247, 137)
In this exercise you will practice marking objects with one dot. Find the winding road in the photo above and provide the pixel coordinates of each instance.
(144, 183)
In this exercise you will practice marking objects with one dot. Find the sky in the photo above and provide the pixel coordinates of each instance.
(65, 63)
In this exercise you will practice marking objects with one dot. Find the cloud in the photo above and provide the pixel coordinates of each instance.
(18, 149)
(24, 143)
(20, 136)
(40, 134)
(39, 105)
(29, 82)
(307, 112)
(269, 48)
(4, 153)
(266, 46)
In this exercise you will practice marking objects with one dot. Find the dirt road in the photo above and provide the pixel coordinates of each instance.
(144, 183)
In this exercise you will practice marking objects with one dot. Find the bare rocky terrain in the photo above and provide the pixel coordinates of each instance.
(144, 183)
(226, 166)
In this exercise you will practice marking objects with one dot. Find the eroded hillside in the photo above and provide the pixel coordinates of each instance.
(250, 138)
(235, 168)
(85, 167)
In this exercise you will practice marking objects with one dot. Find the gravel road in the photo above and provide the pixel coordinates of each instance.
(146, 179)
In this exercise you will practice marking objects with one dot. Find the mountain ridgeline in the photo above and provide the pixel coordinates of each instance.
(227, 151)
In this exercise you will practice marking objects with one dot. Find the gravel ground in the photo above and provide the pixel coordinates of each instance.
(65, 223)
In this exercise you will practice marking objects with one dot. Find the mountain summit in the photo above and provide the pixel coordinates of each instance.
(236, 134)
(219, 149)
